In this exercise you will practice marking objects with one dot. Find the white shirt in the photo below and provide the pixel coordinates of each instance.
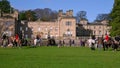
(35, 41)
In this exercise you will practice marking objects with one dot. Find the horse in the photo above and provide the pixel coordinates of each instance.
(116, 43)
(111, 43)
(107, 43)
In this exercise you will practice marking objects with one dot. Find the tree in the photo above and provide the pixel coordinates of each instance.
(115, 19)
(102, 17)
(5, 7)
(27, 15)
(22, 16)
(30, 15)
(81, 15)
(46, 14)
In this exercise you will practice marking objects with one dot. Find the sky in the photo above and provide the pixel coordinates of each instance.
(92, 7)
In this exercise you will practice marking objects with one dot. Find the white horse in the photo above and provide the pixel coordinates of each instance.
(91, 42)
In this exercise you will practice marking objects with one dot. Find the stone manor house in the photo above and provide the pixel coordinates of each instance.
(64, 26)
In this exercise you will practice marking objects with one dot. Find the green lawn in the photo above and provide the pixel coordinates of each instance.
(54, 57)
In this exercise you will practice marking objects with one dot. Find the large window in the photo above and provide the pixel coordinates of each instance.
(68, 23)
(20, 28)
(26, 28)
(68, 33)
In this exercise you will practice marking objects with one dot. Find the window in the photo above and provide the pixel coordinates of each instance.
(68, 23)
(51, 28)
(46, 29)
(99, 27)
(39, 29)
(26, 29)
(26, 36)
(8, 23)
(56, 35)
(89, 27)
(56, 29)
(67, 33)
(100, 32)
(20, 28)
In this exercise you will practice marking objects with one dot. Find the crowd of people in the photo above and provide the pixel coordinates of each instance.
(93, 43)
(104, 42)
(12, 41)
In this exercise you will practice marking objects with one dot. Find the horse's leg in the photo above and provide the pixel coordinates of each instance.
(104, 46)
(107, 45)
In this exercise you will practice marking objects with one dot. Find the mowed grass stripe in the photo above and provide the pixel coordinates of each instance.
(54, 57)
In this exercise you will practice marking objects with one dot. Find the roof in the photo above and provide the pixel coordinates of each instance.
(68, 17)
(96, 23)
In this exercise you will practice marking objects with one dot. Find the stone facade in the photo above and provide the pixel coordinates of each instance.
(7, 23)
(98, 29)
(64, 27)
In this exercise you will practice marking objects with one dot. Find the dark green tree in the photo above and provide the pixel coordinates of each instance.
(27, 15)
(22, 16)
(5, 7)
(30, 15)
(115, 19)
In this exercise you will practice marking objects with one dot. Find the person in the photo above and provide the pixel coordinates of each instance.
(60, 43)
(70, 42)
(80, 42)
(16, 39)
(39, 40)
(63, 42)
(4, 36)
(91, 43)
(106, 42)
(35, 42)
(73, 42)
(106, 38)
(10, 41)
(100, 43)
(5, 40)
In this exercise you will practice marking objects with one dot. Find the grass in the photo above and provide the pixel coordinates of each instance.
(54, 57)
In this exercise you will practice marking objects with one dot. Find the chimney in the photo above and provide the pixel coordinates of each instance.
(60, 13)
(67, 13)
(70, 12)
